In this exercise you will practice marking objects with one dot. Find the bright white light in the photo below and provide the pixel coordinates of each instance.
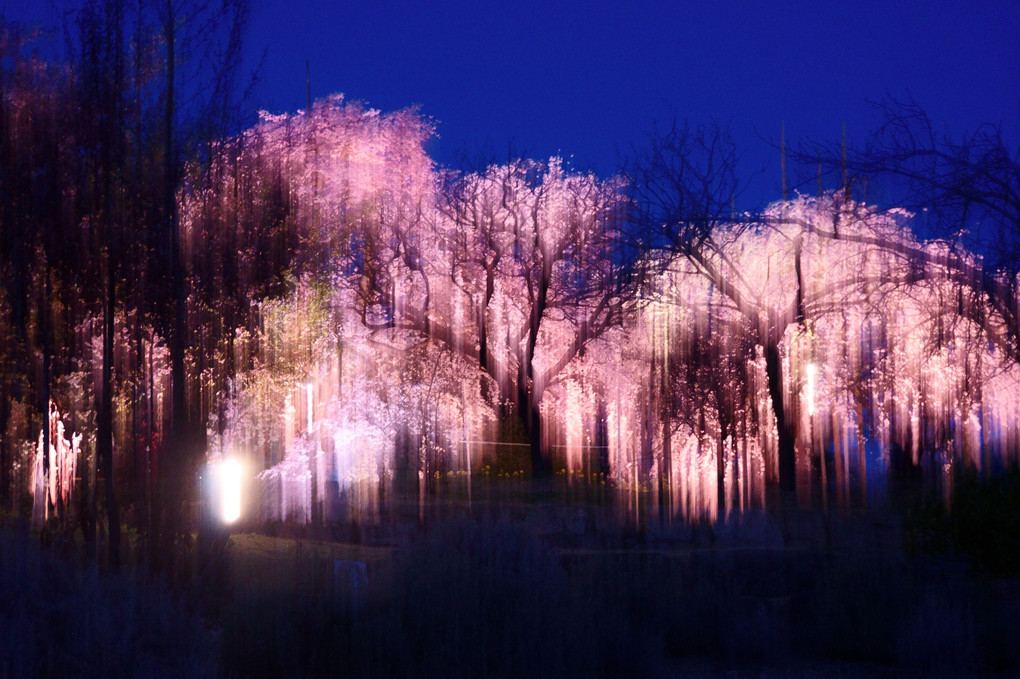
(812, 380)
(228, 477)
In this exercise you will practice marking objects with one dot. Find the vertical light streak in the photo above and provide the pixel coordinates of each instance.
(308, 400)
(812, 382)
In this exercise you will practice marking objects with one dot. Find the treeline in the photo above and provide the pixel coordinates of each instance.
(313, 293)
(639, 331)
(93, 149)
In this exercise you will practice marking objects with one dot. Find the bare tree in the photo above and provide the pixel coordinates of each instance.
(684, 185)
(963, 191)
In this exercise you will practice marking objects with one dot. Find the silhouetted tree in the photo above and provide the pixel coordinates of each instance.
(684, 185)
(202, 42)
(964, 189)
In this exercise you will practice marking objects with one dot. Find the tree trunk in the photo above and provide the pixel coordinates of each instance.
(528, 397)
(720, 460)
(104, 426)
(528, 411)
(171, 464)
(5, 474)
(784, 428)
(44, 391)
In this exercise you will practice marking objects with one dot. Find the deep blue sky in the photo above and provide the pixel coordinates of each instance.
(587, 79)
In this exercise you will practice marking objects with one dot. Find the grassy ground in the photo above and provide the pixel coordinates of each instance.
(532, 588)
(60, 620)
(527, 584)
(265, 562)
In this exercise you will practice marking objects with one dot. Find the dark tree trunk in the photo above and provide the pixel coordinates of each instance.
(6, 214)
(528, 398)
(483, 382)
(44, 391)
(173, 456)
(483, 335)
(720, 458)
(528, 412)
(5, 475)
(787, 437)
(104, 428)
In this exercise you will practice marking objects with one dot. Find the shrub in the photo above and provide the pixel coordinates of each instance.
(982, 522)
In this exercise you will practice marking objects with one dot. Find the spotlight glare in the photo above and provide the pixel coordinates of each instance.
(229, 473)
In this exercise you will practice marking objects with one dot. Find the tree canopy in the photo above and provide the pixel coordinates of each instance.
(313, 295)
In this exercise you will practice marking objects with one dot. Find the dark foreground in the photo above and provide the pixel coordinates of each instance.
(525, 590)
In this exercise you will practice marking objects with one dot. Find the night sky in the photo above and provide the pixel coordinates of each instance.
(586, 80)
(589, 79)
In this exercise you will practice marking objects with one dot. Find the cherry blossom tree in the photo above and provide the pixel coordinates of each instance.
(349, 318)
(534, 247)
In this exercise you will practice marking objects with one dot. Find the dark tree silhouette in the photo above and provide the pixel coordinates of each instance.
(684, 186)
(963, 191)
